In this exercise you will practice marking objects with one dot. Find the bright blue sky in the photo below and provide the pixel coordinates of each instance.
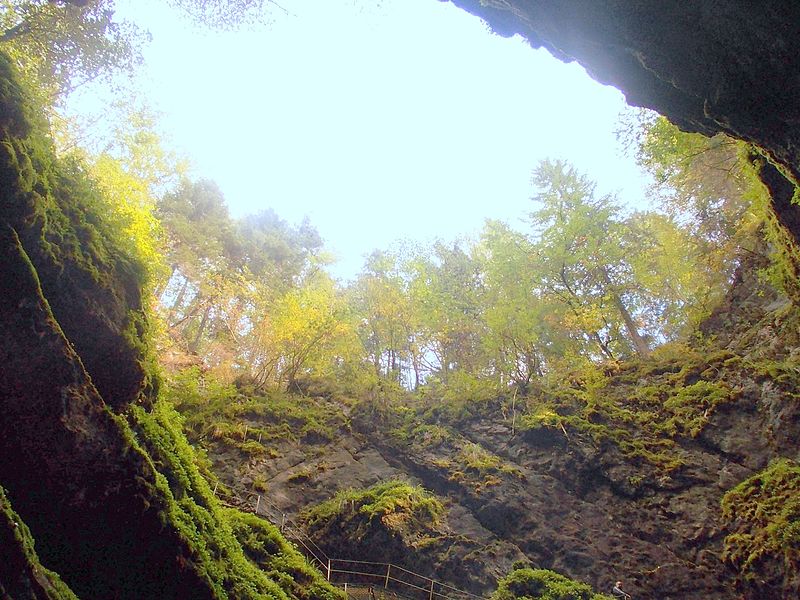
(404, 120)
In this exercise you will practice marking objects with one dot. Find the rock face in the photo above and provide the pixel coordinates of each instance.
(70, 467)
(728, 66)
(620, 476)
(115, 503)
(297, 472)
(22, 577)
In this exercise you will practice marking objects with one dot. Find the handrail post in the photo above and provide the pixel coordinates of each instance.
(431, 596)
(386, 582)
(329, 569)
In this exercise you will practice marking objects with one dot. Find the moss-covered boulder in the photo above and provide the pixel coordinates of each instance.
(762, 516)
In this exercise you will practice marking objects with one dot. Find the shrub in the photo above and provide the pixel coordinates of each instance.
(541, 584)
(394, 503)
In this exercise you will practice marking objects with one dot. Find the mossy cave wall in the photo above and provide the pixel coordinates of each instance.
(75, 355)
(69, 308)
(99, 485)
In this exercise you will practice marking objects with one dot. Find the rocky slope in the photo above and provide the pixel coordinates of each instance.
(615, 473)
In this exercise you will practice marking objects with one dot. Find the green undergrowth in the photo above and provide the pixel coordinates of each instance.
(208, 528)
(21, 574)
(396, 505)
(266, 547)
(763, 515)
(651, 411)
(431, 421)
(218, 413)
(645, 408)
(541, 584)
(784, 267)
(476, 467)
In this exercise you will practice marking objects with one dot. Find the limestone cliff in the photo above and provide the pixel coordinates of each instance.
(626, 472)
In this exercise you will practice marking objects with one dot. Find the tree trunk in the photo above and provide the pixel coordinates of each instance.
(15, 31)
(179, 299)
(639, 343)
(199, 335)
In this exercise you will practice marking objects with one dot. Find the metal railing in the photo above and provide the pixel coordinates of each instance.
(379, 577)
(374, 580)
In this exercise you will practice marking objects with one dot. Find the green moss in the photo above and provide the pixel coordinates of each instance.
(217, 413)
(193, 509)
(396, 504)
(142, 470)
(426, 435)
(784, 266)
(20, 571)
(477, 459)
(266, 547)
(92, 282)
(763, 515)
(643, 408)
(541, 584)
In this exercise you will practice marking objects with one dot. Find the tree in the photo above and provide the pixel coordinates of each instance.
(703, 183)
(445, 287)
(584, 259)
(525, 329)
(225, 14)
(306, 332)
(132, 213)
(278, 252)
(387, 330)
(64, 44)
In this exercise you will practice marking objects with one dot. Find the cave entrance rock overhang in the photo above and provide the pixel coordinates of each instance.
(710, 66)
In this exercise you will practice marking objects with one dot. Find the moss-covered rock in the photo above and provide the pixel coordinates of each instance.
(762, 515)
(542, 584)
(377, 515)
(92, 287)
(280, 560)
(22, 577)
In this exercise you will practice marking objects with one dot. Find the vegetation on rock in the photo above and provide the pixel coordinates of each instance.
(763, 515)
(219, 413)
(266, 547)
(21, 574)
(574, 342)
(396, 505)
(79, 347)
(541, 584)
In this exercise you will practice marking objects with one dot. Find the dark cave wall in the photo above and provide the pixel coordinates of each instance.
(71, 329)
(730, 66)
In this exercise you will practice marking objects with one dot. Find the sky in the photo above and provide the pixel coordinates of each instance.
(400, 119)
